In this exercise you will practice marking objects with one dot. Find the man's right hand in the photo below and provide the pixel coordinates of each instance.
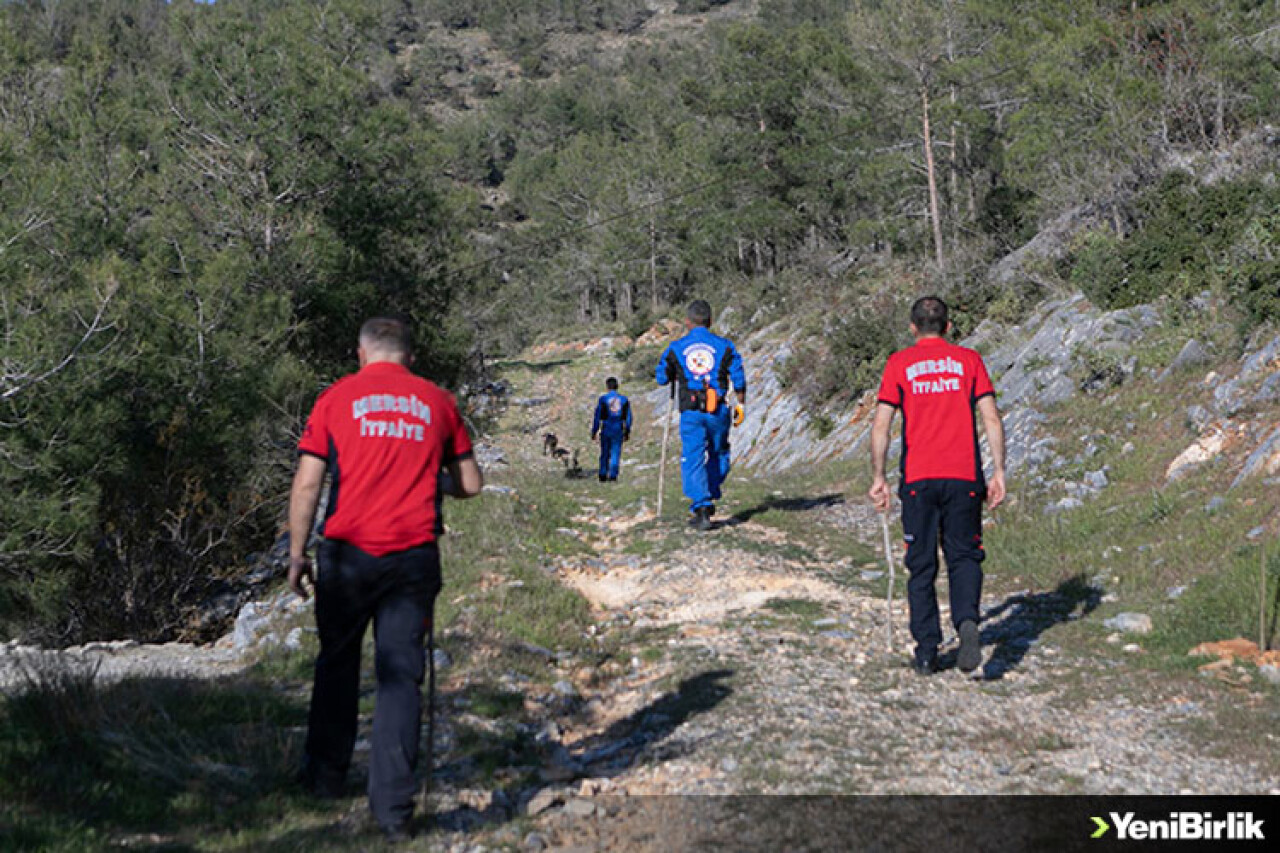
(299, 568)
(995, 490)
(880, 494)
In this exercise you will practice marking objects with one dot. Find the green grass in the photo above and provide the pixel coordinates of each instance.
(1222, 605)
(210, 765)
(800, 608)
(82, 763)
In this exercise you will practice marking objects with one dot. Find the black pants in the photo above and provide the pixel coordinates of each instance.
(397, 591)
(954, 509)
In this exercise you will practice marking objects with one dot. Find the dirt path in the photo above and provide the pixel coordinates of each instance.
(764, 670)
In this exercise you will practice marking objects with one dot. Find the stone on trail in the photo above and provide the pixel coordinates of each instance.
(1129, 623)
(578, 807)
(542, 801)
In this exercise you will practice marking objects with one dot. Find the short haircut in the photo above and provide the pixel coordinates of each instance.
(699, 312)
(611, 383)
(929, 315)
(386, 335)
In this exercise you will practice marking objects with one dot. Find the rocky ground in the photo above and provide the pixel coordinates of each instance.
(756, 659)
(775, 676)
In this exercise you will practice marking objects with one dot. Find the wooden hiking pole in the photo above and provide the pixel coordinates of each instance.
(888, 558)
(1262, 597)
(431, 712)
(666, 434)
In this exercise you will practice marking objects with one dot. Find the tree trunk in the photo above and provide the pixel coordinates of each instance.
(625, 298)
(953, 173)
(584, 301)
(970, 196)
(1220, 118)
(953, 176)
(653, 260)
(933, 178)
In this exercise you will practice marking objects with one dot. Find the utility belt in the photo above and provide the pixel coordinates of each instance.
(699, 400)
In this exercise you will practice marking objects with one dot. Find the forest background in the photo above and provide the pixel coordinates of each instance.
(200, 202)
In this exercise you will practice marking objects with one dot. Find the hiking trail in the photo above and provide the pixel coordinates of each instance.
(772, 675)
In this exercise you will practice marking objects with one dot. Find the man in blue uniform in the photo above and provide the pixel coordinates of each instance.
(612, 422)
(704, 367)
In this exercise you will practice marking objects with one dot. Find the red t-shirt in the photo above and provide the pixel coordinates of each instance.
(385, 433)
(936, 385)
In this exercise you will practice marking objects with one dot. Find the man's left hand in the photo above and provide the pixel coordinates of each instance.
(299, 568)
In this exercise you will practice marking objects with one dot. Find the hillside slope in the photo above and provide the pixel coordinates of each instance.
(590, 652)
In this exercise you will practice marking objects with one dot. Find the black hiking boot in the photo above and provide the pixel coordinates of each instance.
(320, 784)
(701, 519)
(970, 656)
(926, 665)
(400, 834)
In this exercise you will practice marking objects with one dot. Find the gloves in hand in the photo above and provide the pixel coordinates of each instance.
(739, 415)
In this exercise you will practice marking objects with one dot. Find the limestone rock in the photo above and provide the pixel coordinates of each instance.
(1264, 461)
(1192, 354)
(1205, 449)
(545, 799)
(1129, 623)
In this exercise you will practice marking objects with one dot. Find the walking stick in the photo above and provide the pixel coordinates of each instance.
(666, 434)
(431, 711)
(888, 558)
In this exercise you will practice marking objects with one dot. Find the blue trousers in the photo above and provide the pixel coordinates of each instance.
(397, 593)
(610, 454)
(704, 455)
(952, 508)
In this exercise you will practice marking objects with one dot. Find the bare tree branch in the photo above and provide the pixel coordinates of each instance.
(15, 380)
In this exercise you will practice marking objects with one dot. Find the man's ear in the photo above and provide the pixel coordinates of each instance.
(915, 332)
(362, 356)
(947, 333)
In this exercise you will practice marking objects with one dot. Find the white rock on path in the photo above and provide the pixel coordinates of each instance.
(1130, 623)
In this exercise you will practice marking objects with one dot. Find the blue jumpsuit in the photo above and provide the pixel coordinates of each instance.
(613, 421)
(701, 360)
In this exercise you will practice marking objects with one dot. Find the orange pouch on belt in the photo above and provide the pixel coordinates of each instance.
(712, 400)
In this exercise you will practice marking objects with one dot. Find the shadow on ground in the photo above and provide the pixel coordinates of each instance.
(533, 366)
(1012, 627)
(785, 505)
(641, 735)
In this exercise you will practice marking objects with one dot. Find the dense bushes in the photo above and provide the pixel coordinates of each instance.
(198, 204)
(845, 359)
(1188, 236)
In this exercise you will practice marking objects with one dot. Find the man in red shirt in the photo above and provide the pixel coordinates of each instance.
(384, 435)
(937, 385)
